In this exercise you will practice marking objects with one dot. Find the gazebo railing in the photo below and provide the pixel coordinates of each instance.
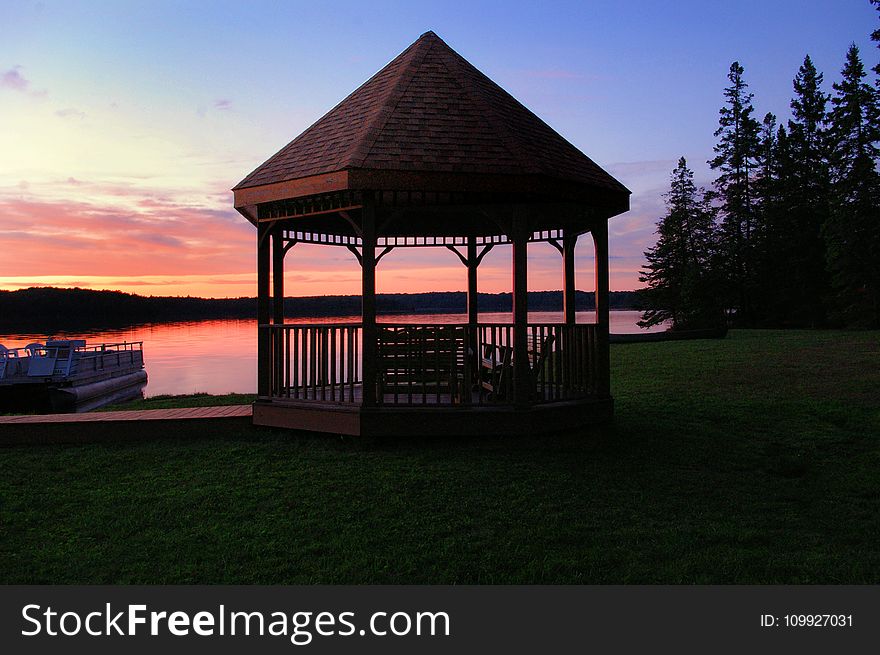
(562, 362)
(423, 364)
(314, 362)
(441, 364)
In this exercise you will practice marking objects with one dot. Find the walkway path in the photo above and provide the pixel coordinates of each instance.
(124, 425)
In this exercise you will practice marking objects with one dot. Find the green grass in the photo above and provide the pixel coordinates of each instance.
(749, 460)
(188, 400)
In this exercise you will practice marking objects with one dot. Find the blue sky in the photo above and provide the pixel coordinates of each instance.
(143, 115)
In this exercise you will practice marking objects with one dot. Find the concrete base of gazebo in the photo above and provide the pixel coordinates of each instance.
(417, 421)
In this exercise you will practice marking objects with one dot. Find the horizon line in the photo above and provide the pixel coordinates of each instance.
(329, 295)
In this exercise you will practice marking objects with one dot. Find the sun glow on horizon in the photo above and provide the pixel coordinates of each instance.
(301, 282)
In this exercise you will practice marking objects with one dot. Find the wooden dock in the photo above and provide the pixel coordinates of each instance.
(122, 425)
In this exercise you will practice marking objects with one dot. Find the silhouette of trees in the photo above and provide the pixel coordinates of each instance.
(790, 236)
(736, 160)
(681, 265)
(853, 228)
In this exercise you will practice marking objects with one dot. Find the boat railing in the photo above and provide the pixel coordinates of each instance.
(14, 361)
(108, 355)
(119, 345)
(63, 358)
(4, 359)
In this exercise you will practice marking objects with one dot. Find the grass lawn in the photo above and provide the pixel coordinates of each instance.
(755, 459)
(188, 400)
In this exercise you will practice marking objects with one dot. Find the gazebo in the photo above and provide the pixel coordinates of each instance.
(429, 153)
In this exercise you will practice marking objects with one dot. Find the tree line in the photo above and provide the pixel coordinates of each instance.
(49, 308)
(789, 234)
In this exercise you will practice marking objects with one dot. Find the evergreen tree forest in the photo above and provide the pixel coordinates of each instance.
(789, 233)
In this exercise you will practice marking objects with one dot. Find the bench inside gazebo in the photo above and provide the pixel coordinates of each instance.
(430, 153)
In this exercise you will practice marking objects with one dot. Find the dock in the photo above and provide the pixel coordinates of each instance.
(121, 425)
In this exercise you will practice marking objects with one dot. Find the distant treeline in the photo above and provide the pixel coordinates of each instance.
(49, 307)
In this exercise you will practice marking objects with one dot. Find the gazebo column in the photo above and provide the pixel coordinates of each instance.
(603, 319)
(521, 370)
(277, 275)
(473, 327)
(277, 339)
(568, 285)
(264, 345)
(368, 301)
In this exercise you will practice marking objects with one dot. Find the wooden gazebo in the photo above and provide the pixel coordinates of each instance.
(429, 152)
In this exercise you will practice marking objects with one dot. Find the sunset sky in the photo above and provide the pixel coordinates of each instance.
(125, 124)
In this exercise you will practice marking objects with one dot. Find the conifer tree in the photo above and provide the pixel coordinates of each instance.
(770, 193)
(875, 36)
(807, 200)
(735, 160)
(680, 273)
(767, 176)
(853, 228)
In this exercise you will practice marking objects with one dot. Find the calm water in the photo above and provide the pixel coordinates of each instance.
(220, 356)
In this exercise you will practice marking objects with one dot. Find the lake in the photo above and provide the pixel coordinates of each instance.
(220, 356)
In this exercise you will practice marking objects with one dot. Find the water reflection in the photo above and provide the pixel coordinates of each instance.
(220, 356)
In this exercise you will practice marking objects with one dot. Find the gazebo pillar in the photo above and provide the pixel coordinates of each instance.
(521, 370)
(473, 325)
(603, 318)
(369, 331)
(264, 345)
(278, 275)
(568, 285)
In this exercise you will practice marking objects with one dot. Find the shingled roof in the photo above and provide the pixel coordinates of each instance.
(430, 111)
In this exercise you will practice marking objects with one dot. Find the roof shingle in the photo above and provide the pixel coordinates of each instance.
(430, 110)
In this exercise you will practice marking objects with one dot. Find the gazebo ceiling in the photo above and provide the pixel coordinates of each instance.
(429, 135)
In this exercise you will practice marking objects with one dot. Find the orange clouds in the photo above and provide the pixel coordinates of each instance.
(80, 238)
(104, 235)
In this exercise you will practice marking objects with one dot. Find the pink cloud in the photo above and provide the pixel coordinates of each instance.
(70, 112)
(153, 234)
(80, 238)
(14, 80)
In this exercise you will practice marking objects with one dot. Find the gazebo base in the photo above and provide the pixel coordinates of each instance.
(397, 421)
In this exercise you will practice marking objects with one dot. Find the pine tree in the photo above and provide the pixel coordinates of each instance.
(853, 228)
(807, 199)
(769, 192)
(875, 36)
(767, 173)
(682, 286)
(735, 159)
